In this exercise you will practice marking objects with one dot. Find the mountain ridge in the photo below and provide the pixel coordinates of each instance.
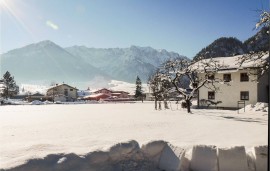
(231, 46)
(48, 61)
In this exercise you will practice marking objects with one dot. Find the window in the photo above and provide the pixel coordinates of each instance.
(244, 77)
(244, 95)
(211, 95)
(227, 78)
(195, 85)
(71, 89)
(211, 77)
(66, 92)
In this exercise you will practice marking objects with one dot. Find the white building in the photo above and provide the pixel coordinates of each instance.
(236, 85)
(62, 92)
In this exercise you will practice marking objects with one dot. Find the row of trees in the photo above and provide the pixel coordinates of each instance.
(8, 86)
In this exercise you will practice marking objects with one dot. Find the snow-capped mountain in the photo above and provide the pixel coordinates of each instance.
(124, 63)
(47, 61)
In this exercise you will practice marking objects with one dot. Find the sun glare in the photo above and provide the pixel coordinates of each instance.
(3, 3)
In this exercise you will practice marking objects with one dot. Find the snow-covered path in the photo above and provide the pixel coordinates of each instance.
(35, 131)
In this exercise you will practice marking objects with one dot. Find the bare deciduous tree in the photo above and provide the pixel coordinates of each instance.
(199, 74)
(160, 88)
(259, 59)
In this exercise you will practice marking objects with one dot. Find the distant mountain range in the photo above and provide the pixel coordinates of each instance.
(47, 61)
(229, 46)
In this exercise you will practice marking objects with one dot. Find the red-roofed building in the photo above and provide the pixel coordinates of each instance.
(97, 97)
(107, 94)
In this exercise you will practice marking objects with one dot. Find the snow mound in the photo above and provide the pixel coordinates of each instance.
(123, 150)
(172, 158)
(13, 102)
(233, 159)
(259, 106)
(154, 156)
(37, 102)
(204, 158)
(153, 149)
(260, 154)
(47, 102)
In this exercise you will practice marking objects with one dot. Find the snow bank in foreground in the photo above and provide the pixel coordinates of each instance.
(154, 156)
(263, 107)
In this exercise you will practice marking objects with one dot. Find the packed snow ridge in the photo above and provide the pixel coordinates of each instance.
(154, 156)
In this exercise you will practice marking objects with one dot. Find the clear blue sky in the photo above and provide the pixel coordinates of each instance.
(183, 26)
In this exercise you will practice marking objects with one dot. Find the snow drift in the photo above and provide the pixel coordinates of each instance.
(154, 156)
(263, 107)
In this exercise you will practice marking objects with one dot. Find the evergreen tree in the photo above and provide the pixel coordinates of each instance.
(138, 91)
(10, 87)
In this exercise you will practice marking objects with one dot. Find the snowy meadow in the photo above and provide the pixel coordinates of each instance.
(34, 131)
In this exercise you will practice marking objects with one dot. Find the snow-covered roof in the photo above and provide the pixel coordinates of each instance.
(58, 85)
(95, 95)
(119, 92)
(103, 89)
(233, 63)
(112, 91)
(37, 94)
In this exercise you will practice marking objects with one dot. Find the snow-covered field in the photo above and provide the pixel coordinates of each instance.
(34, 131)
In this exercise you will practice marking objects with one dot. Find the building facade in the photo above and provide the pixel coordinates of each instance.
(62, 92)
(236, 87)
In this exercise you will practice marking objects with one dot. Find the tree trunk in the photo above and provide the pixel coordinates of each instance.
(188, 106)
(7, 93)
(155, 104)
(166, 104)
(159, 105)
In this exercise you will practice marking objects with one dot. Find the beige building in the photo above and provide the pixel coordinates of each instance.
(62, 92)
(236, 86)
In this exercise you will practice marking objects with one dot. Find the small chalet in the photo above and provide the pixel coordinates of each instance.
(239, 87)
(62, 92)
